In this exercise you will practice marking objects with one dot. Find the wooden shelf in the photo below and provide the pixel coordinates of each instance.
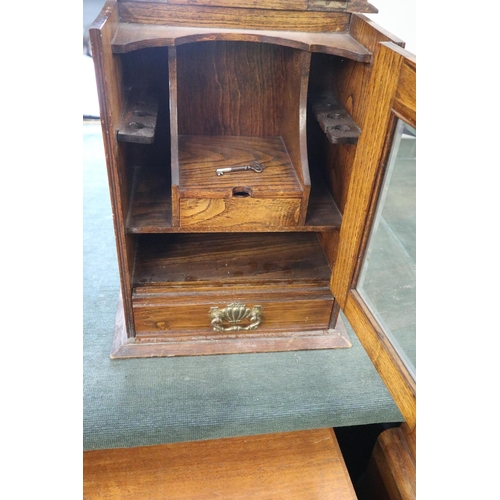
(193, 260)
(151, 207)
(133, 36)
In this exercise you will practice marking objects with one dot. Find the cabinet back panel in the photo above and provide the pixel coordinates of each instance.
(231, 88)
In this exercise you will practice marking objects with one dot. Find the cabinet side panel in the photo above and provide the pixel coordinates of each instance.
(111, 101)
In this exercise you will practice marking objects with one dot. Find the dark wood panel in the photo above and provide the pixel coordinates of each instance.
(229, 258)
(139, 117)
(334, 120)
(230, 88)
(151, 206)
(298, 465)
(226, 17)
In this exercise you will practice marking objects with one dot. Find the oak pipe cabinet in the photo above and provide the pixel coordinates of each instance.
(238, 135)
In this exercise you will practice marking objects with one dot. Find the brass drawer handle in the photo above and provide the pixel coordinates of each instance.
(235, 313)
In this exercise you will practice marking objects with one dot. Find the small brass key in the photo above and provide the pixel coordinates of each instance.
(255, 166)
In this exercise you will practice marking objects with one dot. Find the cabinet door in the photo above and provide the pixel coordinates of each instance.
(374, 276)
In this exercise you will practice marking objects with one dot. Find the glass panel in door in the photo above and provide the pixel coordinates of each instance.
(387, 280)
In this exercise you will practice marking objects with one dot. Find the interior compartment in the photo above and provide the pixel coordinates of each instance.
(179, 278)
(239, 103)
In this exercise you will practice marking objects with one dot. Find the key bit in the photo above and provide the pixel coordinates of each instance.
(255, 166)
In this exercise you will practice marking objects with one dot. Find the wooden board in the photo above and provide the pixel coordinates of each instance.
(391, 472)
(200, 156)
(230, 88)
(244, 259)
(326, 5)
(297, 465)
(133, 36)
(227, 17)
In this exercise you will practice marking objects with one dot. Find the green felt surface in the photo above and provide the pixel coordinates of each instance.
(136, 402)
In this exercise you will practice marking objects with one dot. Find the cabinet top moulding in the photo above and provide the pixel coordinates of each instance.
(133, 36)
(310, 5)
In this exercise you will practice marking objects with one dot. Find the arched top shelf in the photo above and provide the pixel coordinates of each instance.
(134, 36)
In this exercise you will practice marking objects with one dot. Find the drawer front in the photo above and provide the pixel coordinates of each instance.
(160, 316)
(238, 211)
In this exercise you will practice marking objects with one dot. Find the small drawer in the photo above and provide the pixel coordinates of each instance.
(239, 210)
(219, 314)
(232, 181)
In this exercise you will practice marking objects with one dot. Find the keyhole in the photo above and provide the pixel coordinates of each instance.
(242, 191)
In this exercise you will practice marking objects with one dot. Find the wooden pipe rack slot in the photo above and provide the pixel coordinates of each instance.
(335, 121)
(139, 117)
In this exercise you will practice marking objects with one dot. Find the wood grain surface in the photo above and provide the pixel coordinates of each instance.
(231, 88)
(200, 156)
(345, 5)
(133, 36)
(366, 165)
(405, 102)
(188, 315)
(238, 258)
(109, 76)
(348, 81)
(221, 213)
(298, 465)
(270, 198)
(294, 125)
(391, 472)
(227, 17)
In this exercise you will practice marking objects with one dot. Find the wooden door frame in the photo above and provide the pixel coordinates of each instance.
(393, 88)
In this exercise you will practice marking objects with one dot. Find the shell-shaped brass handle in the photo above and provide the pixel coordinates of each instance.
(235, 313)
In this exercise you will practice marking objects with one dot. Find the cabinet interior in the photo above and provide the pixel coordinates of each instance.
(186, 102)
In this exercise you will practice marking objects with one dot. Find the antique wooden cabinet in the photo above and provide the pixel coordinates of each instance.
(238, 137)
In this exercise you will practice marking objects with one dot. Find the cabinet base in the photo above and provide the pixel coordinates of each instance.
(124, 347)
